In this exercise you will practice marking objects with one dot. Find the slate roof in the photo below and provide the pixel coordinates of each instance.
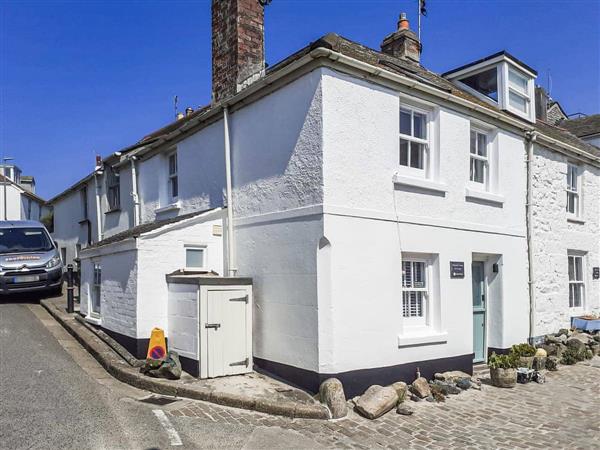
(146, 228)
(370, 56)
(24, 192)
(584, 126)
(560, 134)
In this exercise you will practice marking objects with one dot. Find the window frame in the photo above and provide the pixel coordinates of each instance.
(172, 178)
(193, 247)
(477, 157)
(576, 283)
(113, 189)
(426, 170)
(575, 192)
(422, 320)
(96, 290)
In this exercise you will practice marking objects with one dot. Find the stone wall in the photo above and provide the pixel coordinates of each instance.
(554, 235)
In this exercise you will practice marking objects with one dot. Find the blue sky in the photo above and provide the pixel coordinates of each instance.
(84, 77)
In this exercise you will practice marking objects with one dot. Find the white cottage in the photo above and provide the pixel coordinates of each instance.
(380, 209)
(18, 192)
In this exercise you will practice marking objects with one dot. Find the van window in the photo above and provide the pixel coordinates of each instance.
(19, 240)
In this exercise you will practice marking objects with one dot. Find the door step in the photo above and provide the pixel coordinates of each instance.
(481, 371)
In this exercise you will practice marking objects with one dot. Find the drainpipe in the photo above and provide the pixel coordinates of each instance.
(134, 193)
(230, 238)
(99, 233)
(530, 138)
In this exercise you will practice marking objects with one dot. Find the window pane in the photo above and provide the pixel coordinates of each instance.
(517, 82)
(571, 268)
(194, 257)
(572, 178)
(419, 274)
(473, 142)
(481, 144)
(412, 304)
(517, 102)
(579, 269)
(477, 170)
(485, 82)
(577, 295)
(406, 274)
(173, 164)
(571, 295)
(403, 152)
(416, 155)
(420, 126)
(405, 118)
(174, 187)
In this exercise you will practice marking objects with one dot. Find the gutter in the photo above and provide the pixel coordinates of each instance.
(134, 192)
(99, 231)
(530, 138)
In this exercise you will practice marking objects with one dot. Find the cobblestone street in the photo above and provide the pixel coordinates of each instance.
(562, 413)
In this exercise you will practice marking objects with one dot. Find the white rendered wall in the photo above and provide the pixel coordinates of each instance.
(360, 306)
(35, 209)
(554, 236)
(68, 213)
(13, 203)
(121, 219)
(161, 253)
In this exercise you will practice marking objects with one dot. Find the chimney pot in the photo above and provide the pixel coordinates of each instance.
(403, 43)
(189, 110)
(403, 23)
(180, 116)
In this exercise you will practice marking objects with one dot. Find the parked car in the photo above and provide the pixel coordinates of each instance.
(29, 259)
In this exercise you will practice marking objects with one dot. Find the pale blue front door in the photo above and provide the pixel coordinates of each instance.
(478, 277)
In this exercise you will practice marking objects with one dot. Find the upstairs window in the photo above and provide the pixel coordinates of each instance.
(573, 190)
(479, 171)
(413, 138)
(518, 92)
(576, 282)
(485, 82)
(113, 189)
(173, 181)
(415, 291)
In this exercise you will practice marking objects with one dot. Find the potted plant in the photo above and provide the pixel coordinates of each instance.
(524, 353)
(503, 370)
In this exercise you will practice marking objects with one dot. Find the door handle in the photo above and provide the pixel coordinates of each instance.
(216, 326)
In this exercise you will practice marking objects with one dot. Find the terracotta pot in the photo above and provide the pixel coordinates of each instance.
(504, 378)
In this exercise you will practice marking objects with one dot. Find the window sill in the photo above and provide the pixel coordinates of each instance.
(84, 221)
(116, 210)
(409, 340)
(422, 183)
(93, 320)
(574, 219)
(172, 207)
(485, 196)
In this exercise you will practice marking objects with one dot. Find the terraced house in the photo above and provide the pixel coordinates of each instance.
(390, 218)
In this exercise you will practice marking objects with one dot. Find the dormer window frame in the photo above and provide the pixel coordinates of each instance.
(505, 65)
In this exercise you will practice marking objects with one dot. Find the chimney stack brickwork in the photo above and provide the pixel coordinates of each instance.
(403, 43)
(238, 56)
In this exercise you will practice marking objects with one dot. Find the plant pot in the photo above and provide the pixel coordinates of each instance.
(504, 378)
(526, 361)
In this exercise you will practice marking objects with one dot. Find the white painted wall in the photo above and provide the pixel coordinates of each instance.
(554, 236)
(30, 209)
(13, 203)
(69, 230)
(162, 253)
(360, 304)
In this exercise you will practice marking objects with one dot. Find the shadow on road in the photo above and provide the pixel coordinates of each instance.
(26, 297)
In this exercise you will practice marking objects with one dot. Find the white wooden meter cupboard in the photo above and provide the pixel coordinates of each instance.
(210, 323)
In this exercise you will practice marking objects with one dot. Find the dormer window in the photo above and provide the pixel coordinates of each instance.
(500, 80)
(485, 82)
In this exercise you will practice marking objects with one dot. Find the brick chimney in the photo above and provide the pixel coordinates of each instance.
(403, 43)
(238, 50)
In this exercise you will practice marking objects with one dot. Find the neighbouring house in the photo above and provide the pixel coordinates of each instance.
(586, 128)
(18, 192)
(390, 218)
